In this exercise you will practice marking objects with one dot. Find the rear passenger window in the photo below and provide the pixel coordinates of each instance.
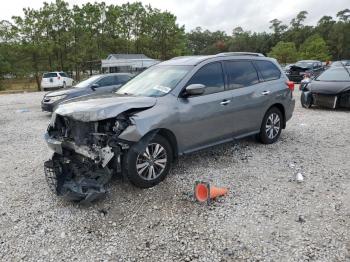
(240, 74)
(107, 81)
(211, 76)
(268, 70)
(121, 79)
(63, 74)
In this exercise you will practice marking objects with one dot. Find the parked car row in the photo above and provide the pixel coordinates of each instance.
(296, 72)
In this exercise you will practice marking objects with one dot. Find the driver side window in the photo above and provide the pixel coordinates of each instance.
(211, 76)
(107, 81)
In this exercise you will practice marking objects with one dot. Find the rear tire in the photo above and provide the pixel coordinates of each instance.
(271, 126)
(148, 162)
(64, 85)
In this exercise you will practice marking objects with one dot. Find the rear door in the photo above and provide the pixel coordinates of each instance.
(273, 87)
(248, 100)
(203, 119)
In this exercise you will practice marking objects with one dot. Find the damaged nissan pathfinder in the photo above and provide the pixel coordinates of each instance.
(176, 107)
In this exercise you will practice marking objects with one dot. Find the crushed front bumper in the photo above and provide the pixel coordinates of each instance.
(79, 173)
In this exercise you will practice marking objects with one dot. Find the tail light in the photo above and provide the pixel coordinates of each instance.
(290, 85)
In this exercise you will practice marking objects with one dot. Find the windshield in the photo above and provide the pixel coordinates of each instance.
(155, 81)
(87, 82)
(341, 63)
(304, 64)
(336, 74)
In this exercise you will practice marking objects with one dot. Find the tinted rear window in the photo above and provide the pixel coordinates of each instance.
(123, 79)
(268, 70)
(49, 75)
(240, 74)
(108, 81)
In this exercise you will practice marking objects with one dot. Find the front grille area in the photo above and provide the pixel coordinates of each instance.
(78, 131)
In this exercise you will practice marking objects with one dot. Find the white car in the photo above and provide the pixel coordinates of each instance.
(54, 80)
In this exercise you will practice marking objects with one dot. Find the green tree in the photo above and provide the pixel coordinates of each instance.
(201, 41)
(284, 52)
(314, 47)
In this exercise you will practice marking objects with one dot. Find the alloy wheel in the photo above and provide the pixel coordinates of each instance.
(151, 163)
(273, 125)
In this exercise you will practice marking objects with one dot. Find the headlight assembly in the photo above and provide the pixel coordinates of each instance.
(55, 98)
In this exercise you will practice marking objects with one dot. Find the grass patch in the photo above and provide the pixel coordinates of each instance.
(18, 84)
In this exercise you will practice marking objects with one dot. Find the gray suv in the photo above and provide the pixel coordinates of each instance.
(173, 108)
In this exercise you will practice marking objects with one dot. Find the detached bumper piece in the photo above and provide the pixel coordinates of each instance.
(329, 101)
(76, 178)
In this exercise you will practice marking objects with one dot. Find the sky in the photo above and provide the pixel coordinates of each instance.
(224, 15)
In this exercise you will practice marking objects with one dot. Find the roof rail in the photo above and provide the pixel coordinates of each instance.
(240, 54)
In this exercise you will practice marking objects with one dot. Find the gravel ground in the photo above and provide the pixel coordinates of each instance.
(267, 215)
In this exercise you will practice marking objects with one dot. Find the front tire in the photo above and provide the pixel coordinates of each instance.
(148, 162)
(271, 126)
(306, 99)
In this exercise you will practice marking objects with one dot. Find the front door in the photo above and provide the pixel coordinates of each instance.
(203, 119)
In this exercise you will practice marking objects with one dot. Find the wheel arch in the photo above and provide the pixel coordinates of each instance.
(168, 135)
(283, 111)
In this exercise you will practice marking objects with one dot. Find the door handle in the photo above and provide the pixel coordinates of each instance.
(265, 93)
(225, 102)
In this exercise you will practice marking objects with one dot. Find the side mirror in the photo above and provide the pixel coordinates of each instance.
(94, 86)
(194, 90)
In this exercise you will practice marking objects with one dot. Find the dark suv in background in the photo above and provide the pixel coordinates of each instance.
(297, 71)
(98, 84)
(173, 108)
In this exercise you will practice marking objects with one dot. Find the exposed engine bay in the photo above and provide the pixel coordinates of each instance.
(87, 155)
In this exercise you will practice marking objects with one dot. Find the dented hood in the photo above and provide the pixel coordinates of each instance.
(298, 68)
(100, 108)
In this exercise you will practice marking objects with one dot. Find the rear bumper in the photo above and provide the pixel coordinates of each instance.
(290, 109)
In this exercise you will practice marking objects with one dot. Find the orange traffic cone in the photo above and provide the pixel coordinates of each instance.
(204, 192)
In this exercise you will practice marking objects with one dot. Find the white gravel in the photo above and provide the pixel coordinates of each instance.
(267, 215)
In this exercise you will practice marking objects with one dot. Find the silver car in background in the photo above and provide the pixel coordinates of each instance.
(173, 108)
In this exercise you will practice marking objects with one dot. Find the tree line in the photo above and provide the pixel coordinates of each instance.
(75, 39)
(328, 40)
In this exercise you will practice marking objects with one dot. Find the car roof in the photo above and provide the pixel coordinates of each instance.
(195, 60)
(309, 61)
(111, 74)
